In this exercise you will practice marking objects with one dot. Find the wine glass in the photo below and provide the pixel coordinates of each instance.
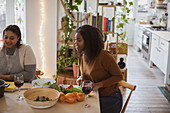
(87, 88)
(19, 81)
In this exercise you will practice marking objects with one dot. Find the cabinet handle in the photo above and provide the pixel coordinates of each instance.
(162, 43)
(158, 50)
(154, 38)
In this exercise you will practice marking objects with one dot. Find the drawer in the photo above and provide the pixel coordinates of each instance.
(155, 40)
(154, 56)
(162, 59)
(164, 45)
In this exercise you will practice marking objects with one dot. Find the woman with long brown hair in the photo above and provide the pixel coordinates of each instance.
(99, 66)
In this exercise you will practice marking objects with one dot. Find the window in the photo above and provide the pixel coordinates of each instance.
(2, 17)
(19, 16)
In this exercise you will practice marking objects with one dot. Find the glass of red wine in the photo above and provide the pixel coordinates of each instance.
(86, 88)
(19, 81)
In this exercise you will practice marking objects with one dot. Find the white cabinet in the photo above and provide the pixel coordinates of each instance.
(160, 55)
(138, 36)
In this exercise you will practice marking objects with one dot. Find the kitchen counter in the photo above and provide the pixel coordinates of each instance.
(162, 34)
(158, 47)
(9, 104)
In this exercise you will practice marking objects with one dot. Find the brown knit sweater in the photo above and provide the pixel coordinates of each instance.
(103, 69)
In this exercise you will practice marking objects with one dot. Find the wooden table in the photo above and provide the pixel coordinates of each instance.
(9, 104)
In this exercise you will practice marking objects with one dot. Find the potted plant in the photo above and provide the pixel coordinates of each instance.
(63, 61)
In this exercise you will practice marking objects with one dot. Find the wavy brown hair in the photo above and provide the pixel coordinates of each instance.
(15, 29)
(93, 39)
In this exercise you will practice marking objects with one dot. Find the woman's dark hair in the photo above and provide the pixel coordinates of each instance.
(15, 29)
(93, 39)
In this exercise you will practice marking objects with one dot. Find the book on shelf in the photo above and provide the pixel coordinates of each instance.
(80, 18)
(99, 24)
(108, 25)
(105, 24)
(94, 20)
(91, 19)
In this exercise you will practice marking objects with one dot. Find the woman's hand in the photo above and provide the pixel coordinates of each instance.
(97, 85)
(80, 80)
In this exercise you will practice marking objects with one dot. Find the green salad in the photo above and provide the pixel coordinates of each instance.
(47, 83)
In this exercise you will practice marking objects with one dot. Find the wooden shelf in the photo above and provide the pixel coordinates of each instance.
(110, 5)
(60, 30)
(109, 32)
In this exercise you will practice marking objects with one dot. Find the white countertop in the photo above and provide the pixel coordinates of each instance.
(162, 34)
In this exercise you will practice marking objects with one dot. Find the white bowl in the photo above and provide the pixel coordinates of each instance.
(40, 82)
(31, 95)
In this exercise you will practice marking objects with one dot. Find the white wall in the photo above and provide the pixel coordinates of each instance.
(49, 31)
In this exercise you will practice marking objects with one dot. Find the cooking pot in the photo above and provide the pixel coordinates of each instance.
(2, 86)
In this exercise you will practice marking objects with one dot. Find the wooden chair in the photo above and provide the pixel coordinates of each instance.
(122, 49)
(129, 86)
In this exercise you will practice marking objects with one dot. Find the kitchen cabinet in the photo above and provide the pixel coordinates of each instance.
(138, 37)
(160, 55)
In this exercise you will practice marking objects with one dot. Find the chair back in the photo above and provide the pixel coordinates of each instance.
(132, 88)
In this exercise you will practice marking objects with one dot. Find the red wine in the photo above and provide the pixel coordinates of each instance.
(19, 83)
(87, 90)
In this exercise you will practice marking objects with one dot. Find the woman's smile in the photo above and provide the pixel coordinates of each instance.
(10, 39)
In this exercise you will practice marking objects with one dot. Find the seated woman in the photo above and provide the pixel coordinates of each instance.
(16, 57)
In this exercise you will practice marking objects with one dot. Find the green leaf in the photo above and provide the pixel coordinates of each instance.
(130, 4)
(74, 27)
(113, 35)
(71, 40)
(127, 38)
(123, 9)
(78, 2)
(117, 26)
(125, 2)
(36, 84)
(121, 25)
(75, 8)
(47, 83)
(113, 18)
(126, 21)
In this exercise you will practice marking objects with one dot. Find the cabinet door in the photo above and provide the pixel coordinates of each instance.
(154, 46)
(162, 59)
(155, 41)
(140, 33)
(153, 55)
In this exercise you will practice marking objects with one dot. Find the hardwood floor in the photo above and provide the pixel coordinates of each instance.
(147, 98)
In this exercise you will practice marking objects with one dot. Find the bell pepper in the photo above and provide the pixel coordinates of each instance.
(71, 86)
